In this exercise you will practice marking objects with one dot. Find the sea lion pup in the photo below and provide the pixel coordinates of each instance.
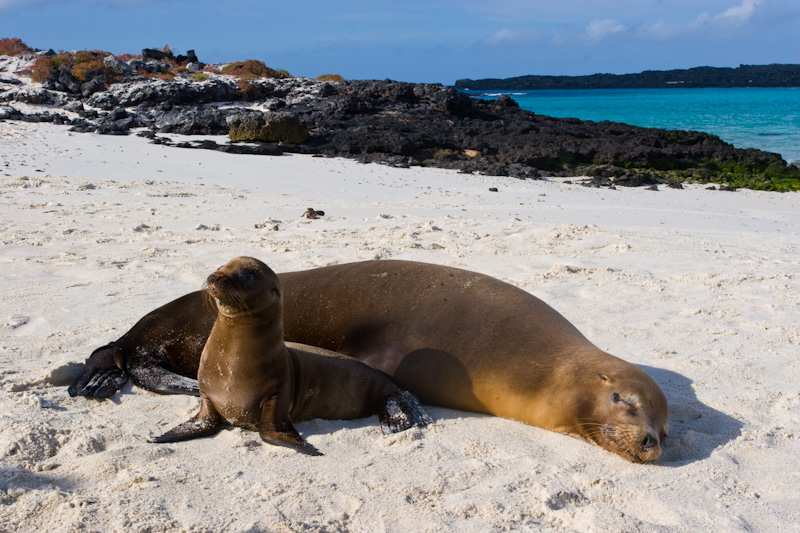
(248, 376)
(453, 338)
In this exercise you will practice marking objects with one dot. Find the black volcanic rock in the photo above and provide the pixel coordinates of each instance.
(10, 113)
(181, 91)
(156, 55)
(30, 95)
(189, 120)
(68, 81)
(92, 86)
(269, 127)
(390, 119)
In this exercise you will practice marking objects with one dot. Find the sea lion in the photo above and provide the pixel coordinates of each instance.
(468, 341)
(248, 376)
(453, 338)
(161, 352)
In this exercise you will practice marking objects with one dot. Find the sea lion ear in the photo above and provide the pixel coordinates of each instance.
(608, 379)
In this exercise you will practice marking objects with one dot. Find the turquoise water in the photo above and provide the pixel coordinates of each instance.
(767, 119)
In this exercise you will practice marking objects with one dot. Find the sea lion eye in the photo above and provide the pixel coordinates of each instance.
(246, 278)
(616, 398)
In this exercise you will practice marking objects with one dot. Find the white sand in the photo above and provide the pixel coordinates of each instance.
(701, 288)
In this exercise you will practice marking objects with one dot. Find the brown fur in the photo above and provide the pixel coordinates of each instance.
(468, 341)
(454, 338)
(250, 378)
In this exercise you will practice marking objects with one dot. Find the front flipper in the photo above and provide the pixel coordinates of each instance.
(159, 379)
(286, 435)
(276, 428)
(400, 411)
(207, 422)
(101, 377)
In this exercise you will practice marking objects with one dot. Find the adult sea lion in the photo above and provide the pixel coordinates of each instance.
(248, 376)
(454, 338)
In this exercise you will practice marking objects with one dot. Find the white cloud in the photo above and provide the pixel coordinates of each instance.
(507, 36)
(732, 17)
(740, 13)
(598, 29)
(502, 36)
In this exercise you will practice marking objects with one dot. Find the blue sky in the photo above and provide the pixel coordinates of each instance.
(425, 41)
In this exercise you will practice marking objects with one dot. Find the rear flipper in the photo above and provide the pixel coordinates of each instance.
(159, 379)
(206, 423)
(400, 411)
(101, 377)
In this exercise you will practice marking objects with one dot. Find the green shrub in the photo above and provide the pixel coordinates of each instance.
(331, 77)
(252, 69)
(86, 62)
(247, 70)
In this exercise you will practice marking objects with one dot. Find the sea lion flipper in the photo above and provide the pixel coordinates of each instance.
(109, 382)
(205, 423)
(400, 411)
(192, 429)
(159, 379)
(286, 435)
(101, 377)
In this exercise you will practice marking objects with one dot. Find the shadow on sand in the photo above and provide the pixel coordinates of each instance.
(696, 430)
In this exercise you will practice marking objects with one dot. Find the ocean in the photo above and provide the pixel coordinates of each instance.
(767, 119)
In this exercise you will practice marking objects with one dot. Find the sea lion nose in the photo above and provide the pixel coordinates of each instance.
(649, 443)
(212, 278)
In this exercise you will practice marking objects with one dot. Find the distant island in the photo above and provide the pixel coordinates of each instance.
(742, 76)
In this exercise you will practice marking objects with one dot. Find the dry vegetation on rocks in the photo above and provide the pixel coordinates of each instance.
(14, 47)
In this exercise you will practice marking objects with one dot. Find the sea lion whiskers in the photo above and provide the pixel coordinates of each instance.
(590, 427)
(228, 300)
(625, 438)
(637, 456)
(619, 437)
(208, 300)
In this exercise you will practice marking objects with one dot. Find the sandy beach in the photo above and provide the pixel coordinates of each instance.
(700, 288)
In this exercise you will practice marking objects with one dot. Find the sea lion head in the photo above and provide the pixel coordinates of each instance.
(244, 286)
(629, 415)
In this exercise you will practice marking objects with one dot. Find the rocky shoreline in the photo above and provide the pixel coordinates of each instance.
(389, 122)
